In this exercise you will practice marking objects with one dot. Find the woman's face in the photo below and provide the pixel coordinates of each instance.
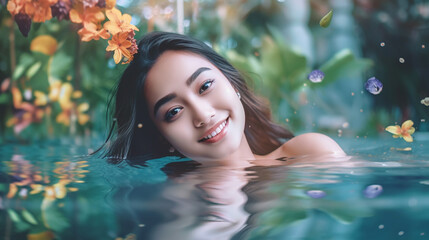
(194, 106)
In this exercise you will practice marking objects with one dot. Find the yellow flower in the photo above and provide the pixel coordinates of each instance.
(404, 131)
(118, 22)
(41, 98)
(66, 92)
(82, 118)
(44, 44)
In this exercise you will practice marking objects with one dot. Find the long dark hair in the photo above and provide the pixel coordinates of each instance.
(136, 136)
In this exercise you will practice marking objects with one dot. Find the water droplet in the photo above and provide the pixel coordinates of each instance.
(401, 60)
(316, 76)
(382, 44)
(326, 20)
(374, 86)
(316, 193)
(373, 191)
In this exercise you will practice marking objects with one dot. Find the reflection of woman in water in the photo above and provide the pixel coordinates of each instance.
(179, 97)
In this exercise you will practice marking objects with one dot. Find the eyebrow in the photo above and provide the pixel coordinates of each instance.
(194, 75)
(171, 96)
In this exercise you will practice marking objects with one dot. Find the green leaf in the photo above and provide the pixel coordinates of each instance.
(39, 81)
(25, 60)
(33, 69)
(13, 216)
(18, 223)
(61, 65)
(326, 20)
(53, 217)
(342, 65)
(29, 217)
(293, 64)
(346, 213)
(4, 98)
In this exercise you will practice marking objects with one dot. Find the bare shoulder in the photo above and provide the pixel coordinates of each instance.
(308, 144)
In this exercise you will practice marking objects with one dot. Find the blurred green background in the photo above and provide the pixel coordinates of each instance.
(276, 43)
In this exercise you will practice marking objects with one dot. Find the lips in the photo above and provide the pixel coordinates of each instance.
(215, 133)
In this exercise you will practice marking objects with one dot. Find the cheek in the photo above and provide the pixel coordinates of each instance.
(177, 134)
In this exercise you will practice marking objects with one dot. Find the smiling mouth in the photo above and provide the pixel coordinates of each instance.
(217, 133)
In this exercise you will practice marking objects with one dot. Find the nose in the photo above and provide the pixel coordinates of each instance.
(202, 113)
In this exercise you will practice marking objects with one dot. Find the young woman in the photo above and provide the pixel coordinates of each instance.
(178, 97)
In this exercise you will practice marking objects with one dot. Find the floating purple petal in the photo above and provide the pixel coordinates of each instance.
(373, 191)
(374, 86)
(316, 193)
(316, 76)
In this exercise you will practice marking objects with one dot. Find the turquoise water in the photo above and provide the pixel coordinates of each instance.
(52, 190)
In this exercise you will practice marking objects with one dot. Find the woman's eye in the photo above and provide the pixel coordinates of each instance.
(206, 86)
(173, 112)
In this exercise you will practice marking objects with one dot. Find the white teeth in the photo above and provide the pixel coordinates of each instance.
(218, 129)
(215, 132)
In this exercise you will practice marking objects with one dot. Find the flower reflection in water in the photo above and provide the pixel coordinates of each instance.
(32, 180)
(30, 186)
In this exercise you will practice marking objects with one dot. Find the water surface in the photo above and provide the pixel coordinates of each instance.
(53, 190)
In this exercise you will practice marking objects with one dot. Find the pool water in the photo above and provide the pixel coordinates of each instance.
(53, 190)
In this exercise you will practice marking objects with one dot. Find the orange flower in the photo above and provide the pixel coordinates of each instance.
(38, 10)
(89, 32)
(89, 15)
(42, 10)
(17, 6)
(118, 22)
(120, 44)
(25, 113)
(404, 131)
(110, 4)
